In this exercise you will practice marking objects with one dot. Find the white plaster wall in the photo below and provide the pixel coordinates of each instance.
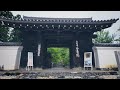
(105, 56)
(10, 57)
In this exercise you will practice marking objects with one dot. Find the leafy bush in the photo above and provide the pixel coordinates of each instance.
(104, 37)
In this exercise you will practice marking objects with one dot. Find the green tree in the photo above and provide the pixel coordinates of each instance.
(6, 14)
(65, 56)
(104, 37)
(15, 35)
(59, 55)
(118, 39)
(4, 31)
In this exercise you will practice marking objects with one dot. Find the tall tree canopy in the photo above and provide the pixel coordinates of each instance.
(16, 35)
(5, 33)
(6, 14)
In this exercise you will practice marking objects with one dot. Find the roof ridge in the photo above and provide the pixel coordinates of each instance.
(30, 17)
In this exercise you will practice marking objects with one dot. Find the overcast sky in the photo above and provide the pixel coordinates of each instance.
(96, 15)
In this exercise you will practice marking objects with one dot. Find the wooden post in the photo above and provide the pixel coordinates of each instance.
(74, 53)
(85, 45)
(81, 52)
(71, 57)
(44, 55)
(23, 61)
(38, 50)
(42, 52)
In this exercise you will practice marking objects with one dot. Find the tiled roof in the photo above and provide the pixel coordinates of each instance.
(57, 20)
(97, 44)
(106, 45)
(42, 24)
(10, 44)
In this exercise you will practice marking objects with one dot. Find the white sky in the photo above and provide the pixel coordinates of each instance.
(96, 15)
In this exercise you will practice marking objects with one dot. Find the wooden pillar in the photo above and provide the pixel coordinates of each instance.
(77, 60)
(38, 61)
(71, 58)
(89, 46)
(72, 49)
(44, 55)
(93, 59)
(23, 60)
(82, 45)
(32, 46)
(74, 53)
(41, 52)
(29, 45)
(85, 45)
(81, 52)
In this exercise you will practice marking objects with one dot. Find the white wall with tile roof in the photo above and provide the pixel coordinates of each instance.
(105, 56)
(10, 57)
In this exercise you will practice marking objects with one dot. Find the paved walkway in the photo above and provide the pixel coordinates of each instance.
(59, 73)
(58, 70)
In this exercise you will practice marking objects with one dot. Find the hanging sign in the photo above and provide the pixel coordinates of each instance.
(77, 50)
(39, 48)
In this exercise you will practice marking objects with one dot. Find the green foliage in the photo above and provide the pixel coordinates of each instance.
(59, 55)
(6, 14)
(4, 31)
(4, 34)
(104, 37)
(15, 35)
(118, 39)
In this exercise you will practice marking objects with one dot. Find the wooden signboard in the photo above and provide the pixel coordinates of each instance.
(88, 59)
(30, 61)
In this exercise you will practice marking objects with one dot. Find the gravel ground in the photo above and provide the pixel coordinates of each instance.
(60, 75)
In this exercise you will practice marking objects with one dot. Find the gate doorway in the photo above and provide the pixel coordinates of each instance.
(58, 57)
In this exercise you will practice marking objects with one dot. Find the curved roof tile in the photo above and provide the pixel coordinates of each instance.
(106, 45)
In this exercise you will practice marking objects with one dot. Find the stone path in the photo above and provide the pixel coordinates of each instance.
(59, 73)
